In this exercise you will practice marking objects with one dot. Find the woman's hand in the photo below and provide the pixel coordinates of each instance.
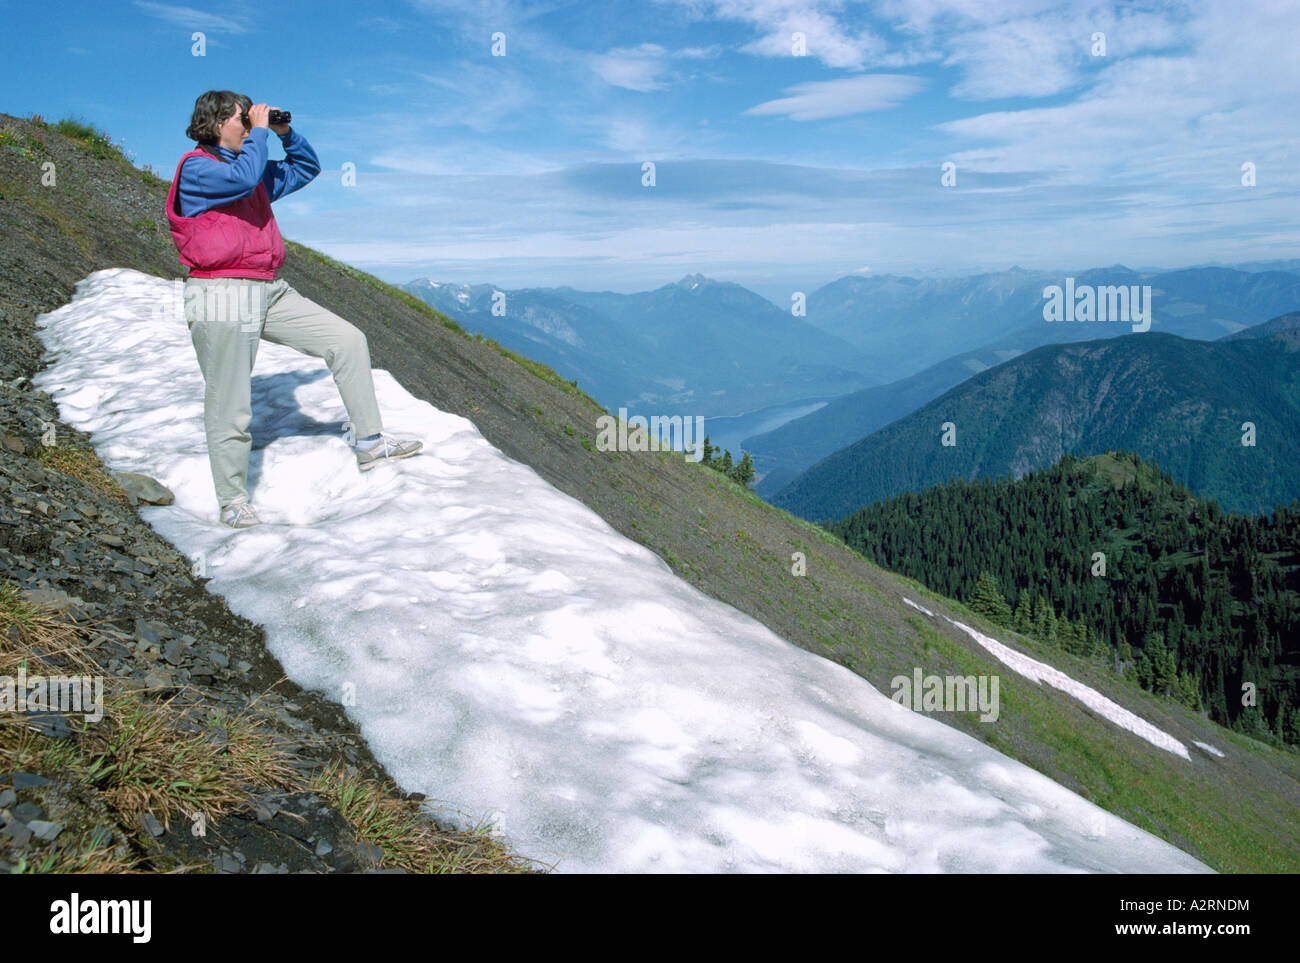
(278, 128)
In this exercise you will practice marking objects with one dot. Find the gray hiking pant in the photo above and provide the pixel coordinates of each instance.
(227, 317)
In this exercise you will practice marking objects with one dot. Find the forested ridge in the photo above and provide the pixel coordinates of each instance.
(1223, 417)
(1108, 557)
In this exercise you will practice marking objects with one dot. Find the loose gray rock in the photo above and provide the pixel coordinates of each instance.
(158, 678)
(43, 830)
(146, 490)
(25, 780)
(146, 633)
(51, 724)
(56, 600)
(19, 832)
(28, 811)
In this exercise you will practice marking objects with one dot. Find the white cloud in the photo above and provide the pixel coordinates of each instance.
(928, 17)
(645, 67)
(1021, 58)
(1048, 54)
(1180, 123)
(635, 68)
(827, 38)
(818, 100)
(192, 19)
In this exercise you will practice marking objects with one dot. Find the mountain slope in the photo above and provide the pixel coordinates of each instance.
(803, 442)
(1286, 327)
(1180, 403)
(1231, 811)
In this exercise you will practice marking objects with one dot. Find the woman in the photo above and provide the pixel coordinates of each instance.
(219, 209)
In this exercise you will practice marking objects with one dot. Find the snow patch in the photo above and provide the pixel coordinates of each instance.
(1209, 749)
(1042, 672)
(920, 607)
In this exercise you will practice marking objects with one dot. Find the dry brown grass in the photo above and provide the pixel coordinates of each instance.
(150, 756)
(144, 756)
(80, 462)
(409, 839)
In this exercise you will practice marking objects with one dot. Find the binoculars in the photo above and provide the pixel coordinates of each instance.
(276, 117)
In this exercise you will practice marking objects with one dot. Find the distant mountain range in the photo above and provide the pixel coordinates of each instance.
(1179, 402)
(697, 347)
(704, 347)
(1200, 303)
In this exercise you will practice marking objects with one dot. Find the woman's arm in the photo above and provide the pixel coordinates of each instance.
(299, 167)
(207, 182)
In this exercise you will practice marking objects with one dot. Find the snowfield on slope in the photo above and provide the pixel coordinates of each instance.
(516, 659)
(1042, 672)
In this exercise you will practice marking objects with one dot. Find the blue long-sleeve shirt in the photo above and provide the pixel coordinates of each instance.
(207, 183)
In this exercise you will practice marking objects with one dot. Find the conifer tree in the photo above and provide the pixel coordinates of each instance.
(1189, 691)
(1041, 611)
(1292, 734)
(988, 600)
(744, 471)
(1163, 672)
(1143, 667)
(1024, 612)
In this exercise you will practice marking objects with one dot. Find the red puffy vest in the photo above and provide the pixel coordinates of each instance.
(236, 240)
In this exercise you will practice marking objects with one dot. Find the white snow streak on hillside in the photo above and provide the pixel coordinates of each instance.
(921, 608)
(513, 654)
(1042, 672)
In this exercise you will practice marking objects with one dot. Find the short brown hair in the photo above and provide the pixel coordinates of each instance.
(210, 112)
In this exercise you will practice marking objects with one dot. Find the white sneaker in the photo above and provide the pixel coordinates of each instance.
(385, 447)
(239, 514)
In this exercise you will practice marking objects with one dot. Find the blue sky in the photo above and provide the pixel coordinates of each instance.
(775, 170)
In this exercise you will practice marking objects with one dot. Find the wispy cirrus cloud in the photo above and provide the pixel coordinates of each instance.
(818, 100)
(827, 28)
(827, 36)
(192, 19)
(644, 67)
